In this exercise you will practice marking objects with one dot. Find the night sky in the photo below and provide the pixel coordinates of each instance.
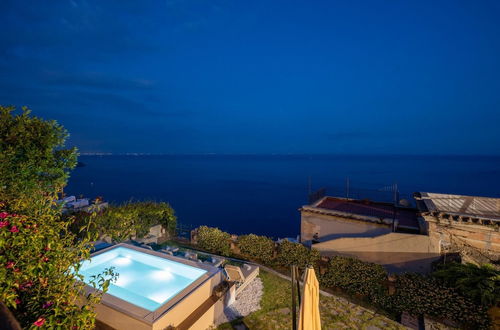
(348, 77)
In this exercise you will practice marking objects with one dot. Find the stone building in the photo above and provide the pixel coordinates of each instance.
(371, 231)
(405, 239)
(467, 225)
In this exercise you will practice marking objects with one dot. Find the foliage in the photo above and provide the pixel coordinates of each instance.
(158, 213)
(479, 283)
(415, 293)
(32, 158)
(121, 222)
(39, 257)
(296, 254)
(355, 276)
(214, 240)
(423, 295)
(276, 306)
(257, 247)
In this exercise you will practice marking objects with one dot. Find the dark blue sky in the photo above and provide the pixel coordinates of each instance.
(181, 76)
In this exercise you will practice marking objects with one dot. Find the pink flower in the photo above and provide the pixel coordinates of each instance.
(17, 301)
(3, 215)
(47, 304)
(25, 285)
(4, 223)
(10, 264)
(45, 259)
(14, 229)
(39, 322)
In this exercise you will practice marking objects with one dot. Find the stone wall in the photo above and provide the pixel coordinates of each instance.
(157, 230)
(474, 242)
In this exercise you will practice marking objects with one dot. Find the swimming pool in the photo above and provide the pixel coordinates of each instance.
(145, 280)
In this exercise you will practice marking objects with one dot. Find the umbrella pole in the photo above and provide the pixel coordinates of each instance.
(297, 279)
(294, 311)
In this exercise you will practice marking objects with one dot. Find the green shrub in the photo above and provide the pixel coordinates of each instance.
(415, 293)
(214, 240)
(39, 256)
(479, 283)
(257, 247)
(355, 276)
(296, 254)
(121, 222)
(422, 295)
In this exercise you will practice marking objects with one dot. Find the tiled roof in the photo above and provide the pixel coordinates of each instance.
(406, 217)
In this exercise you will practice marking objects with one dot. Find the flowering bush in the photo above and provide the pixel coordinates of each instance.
(257, 247)
(214, 240)
(39, 257)
(38, 273)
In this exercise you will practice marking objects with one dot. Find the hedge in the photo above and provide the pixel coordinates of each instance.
(423, 295)
(214, 240)
(415, 293)
(355, 276)
(257, 247)
(296, 254)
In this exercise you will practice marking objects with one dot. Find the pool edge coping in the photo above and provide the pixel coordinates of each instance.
(142, 314)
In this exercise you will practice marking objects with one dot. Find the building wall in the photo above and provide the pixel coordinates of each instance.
(112, 318)
(475, 243)
(186, 306)
(397, 252)
(173, 317)
(331, 227)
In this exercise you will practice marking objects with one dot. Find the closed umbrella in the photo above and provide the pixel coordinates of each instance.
(309, 318)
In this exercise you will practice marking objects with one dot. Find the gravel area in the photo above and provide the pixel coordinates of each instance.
(248, 301)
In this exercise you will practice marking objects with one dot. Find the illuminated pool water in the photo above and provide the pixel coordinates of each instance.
(144, 280)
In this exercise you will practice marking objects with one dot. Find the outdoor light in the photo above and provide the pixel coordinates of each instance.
(122, 261)
(162, 275)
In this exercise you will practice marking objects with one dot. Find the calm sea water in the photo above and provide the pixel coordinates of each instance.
(262, 194)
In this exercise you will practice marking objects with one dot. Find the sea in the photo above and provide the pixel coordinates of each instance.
(262, 194)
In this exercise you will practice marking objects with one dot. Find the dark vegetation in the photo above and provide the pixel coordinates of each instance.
(39, 255)
(456, 293)
(131, 219)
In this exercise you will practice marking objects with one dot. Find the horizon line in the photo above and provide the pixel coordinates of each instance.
(278, 154)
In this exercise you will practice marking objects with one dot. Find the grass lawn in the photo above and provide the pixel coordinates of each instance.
(336, 313)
